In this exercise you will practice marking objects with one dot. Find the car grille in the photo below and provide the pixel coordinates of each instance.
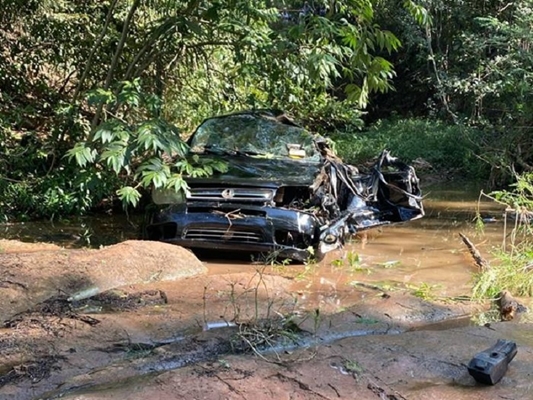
(231, 194)
(224, 234)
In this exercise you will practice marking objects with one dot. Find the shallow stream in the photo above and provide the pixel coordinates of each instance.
(360, 291)
(426, 255)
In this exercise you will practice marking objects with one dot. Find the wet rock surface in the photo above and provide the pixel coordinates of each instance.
(29, 278)
(296, 336)
(412, 365)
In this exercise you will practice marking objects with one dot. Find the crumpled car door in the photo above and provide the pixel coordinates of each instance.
(388, 193)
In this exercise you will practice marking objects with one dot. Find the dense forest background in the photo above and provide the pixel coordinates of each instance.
(96, 97)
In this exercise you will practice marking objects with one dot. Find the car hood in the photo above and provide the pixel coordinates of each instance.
(267, 171)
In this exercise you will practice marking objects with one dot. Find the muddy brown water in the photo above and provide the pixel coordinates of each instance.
(363, 289)
(426, 255)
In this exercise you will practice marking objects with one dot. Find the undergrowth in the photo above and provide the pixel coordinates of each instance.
(449, 149)
(512, 266)
(511, 270)
(265, 319)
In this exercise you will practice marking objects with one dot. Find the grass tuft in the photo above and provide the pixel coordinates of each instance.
(512, 271)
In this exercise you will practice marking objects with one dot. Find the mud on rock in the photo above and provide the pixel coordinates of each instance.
(147, 340)
(27, 279)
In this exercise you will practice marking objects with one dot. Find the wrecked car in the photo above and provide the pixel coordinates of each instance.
(285, 191)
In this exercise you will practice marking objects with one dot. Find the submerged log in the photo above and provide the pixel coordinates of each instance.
(28, 279)
(476, 255)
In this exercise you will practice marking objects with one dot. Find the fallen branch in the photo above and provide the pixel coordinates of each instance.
(476, 255)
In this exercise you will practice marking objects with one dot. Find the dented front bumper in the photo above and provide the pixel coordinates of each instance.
(288, 233)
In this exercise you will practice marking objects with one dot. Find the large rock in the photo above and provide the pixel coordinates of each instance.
(16, 246)
(29, 278)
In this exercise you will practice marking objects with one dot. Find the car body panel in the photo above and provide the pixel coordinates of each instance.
(256, 229)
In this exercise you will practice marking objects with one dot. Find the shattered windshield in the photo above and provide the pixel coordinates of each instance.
(255, 135)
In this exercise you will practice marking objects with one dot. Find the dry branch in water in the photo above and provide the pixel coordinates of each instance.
(476, 255)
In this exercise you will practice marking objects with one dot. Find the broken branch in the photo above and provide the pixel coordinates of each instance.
(476, 255)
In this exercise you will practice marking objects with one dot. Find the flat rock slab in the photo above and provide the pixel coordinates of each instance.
(29, 278)
(421, 365)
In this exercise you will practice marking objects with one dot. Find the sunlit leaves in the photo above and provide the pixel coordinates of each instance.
(520, 196)
(386, 40)
(197, 167)
(129, 195)
(177, 183)
(100, 96)
(154, 171)
(419, 12)
(160, 137)
(342, 45)
(130, 93)
(114, 155)
(111, 130)
(148, 136)
(82, 154)
(245, 53)
(136, 139)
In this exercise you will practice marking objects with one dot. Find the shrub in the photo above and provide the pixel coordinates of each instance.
(512, 267)
(448, 148)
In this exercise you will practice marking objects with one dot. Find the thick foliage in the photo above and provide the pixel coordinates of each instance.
(511, 268)
(84, 77)
(472, 65)
(447, 148)
(138, 145)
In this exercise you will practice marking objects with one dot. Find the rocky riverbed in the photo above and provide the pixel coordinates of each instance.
(163, 324)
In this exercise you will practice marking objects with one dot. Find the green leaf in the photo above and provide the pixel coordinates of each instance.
(82, 154)
(129, 195)
(177, 183)
(130, 93)
(114, 155)
(104, 133)
(153, 172)
(420, 14)
(100, 96)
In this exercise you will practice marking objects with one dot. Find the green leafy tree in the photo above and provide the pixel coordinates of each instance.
(198, 58)
(138, 145)
(470, 65)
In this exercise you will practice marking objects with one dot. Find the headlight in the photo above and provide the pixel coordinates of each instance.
(330, 238)
(168, 196)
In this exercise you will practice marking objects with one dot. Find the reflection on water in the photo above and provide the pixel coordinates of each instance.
(426, 257)
(91, 231)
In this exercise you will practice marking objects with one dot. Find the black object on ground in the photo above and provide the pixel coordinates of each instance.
(490, 366)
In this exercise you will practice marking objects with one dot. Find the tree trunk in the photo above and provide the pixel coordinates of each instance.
(93, 51)
(116, 57)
